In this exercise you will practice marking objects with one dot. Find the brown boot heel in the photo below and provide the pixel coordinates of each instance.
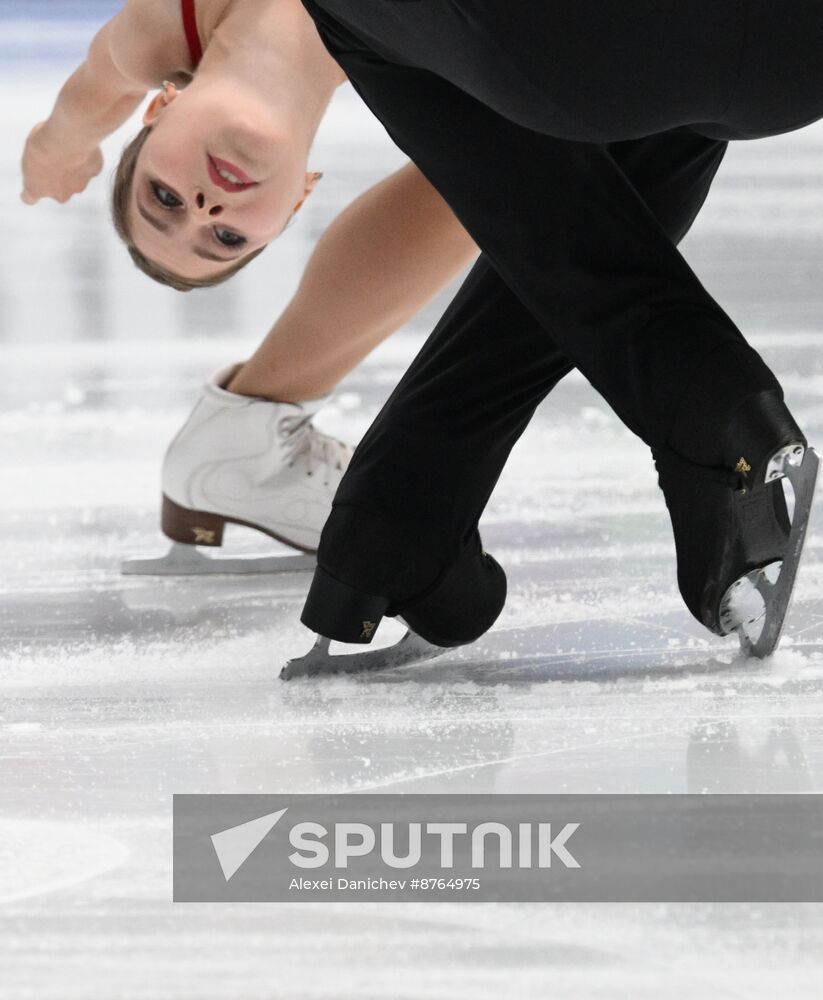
(191, 527)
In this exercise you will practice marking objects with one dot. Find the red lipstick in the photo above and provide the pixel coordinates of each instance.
(216, 164)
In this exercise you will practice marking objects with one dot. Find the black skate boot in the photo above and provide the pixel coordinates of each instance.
(738, 549)
(442, 606)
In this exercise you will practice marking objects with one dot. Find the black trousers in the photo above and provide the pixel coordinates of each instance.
(434, 453)
(578, 267)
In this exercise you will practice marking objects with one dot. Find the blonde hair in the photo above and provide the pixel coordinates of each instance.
(120, 201)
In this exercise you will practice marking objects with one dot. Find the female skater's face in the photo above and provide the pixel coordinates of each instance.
(185, 213)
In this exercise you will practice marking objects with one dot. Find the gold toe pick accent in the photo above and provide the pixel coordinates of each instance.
(368, 630)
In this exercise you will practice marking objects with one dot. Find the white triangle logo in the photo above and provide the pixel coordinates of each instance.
(233, 846)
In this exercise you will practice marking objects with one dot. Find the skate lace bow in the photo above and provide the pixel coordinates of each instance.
(302, 442)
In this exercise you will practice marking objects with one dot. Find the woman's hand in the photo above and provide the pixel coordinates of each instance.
(52, 169)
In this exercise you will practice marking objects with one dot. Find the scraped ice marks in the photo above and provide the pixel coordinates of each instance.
(599, 650)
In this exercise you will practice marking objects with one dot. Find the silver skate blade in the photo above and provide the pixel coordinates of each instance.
(410, 649)
(187, 560)
(756, 605)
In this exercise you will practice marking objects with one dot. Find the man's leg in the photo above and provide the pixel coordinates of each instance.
(567, 232)
(581, 250)
(408, 507)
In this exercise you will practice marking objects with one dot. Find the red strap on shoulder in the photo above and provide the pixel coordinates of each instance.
(190, 27)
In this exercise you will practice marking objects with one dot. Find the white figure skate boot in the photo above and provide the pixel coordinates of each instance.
(250, 461)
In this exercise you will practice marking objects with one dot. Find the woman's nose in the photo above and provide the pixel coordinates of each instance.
(205, 206)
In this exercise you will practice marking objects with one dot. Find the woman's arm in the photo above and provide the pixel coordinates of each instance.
(387, 254)
(62, 154)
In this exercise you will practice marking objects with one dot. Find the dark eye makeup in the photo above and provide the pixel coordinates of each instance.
(168, 200)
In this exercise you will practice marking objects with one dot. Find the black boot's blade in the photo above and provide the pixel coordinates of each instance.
(777, 596)
(408, 650)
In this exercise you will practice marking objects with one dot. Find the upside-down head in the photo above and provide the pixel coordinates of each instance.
(201, 190)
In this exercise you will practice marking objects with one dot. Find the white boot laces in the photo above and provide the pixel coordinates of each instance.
(303, 443)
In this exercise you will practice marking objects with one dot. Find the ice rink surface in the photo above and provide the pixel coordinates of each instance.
(117, 692)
